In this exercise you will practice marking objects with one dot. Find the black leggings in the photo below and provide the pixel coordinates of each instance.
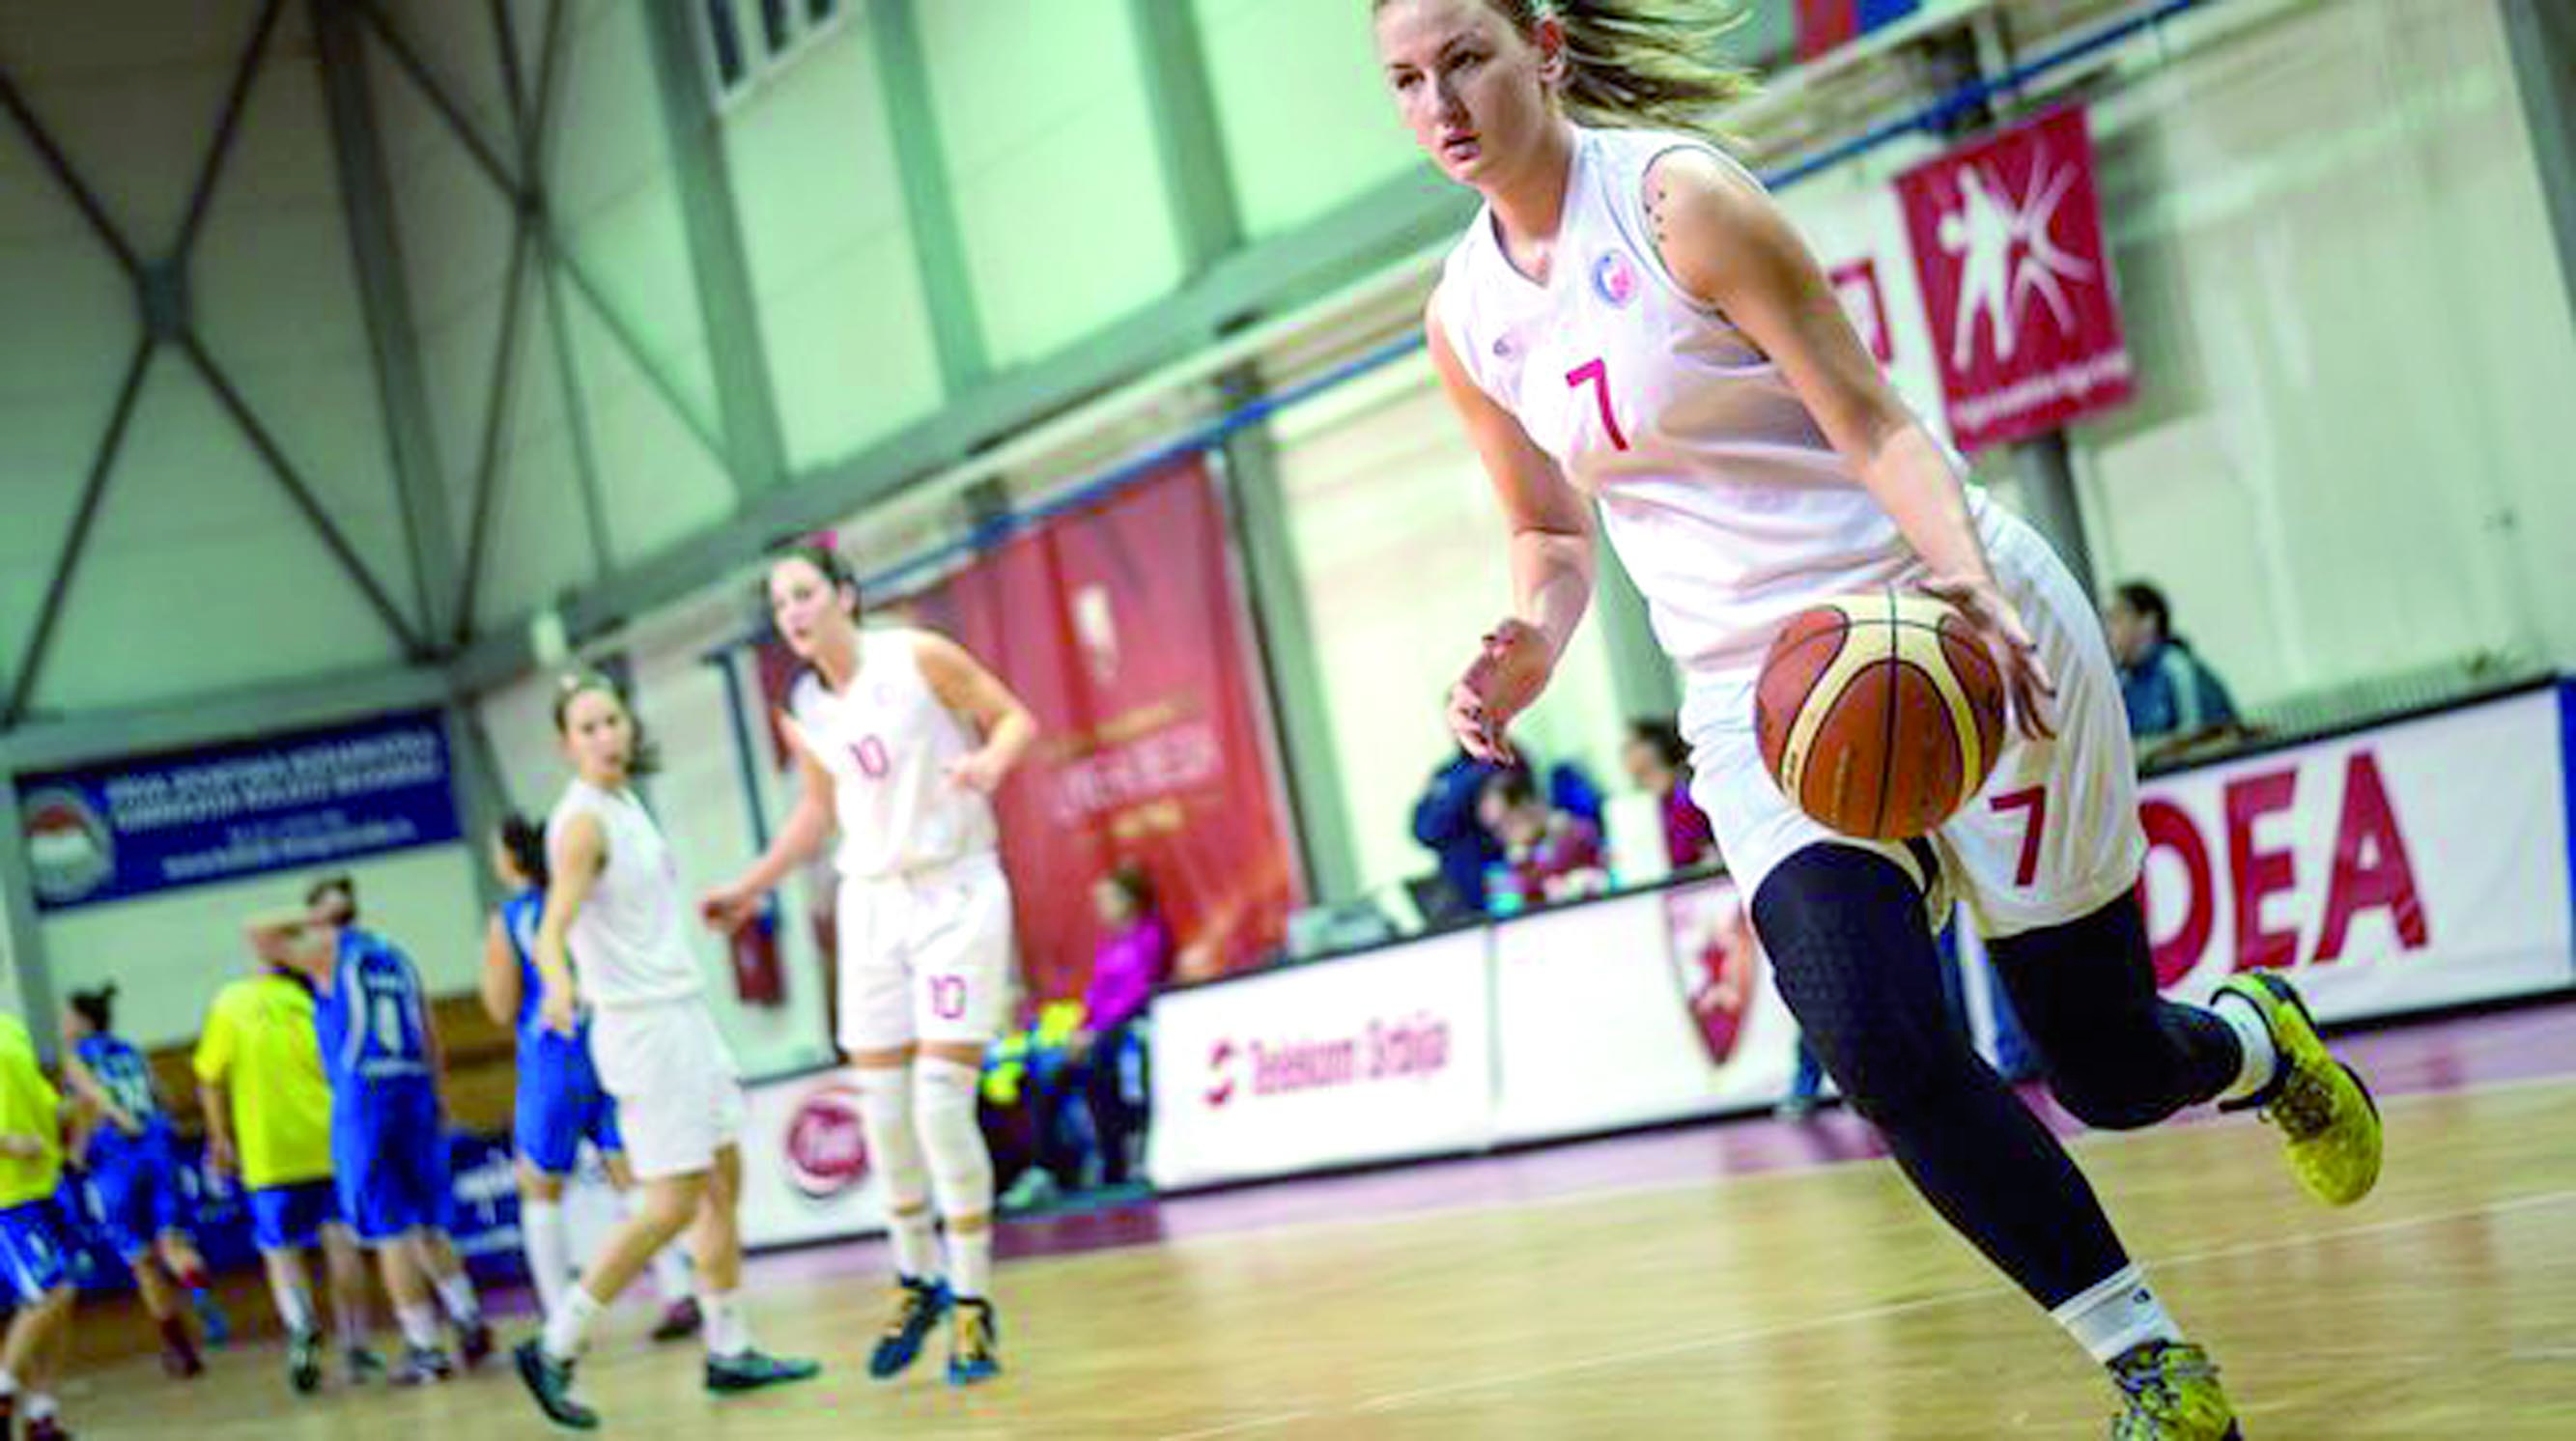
(1844, 928)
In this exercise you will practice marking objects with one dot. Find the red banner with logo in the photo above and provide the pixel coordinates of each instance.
(1118, 625)
(2007, 241)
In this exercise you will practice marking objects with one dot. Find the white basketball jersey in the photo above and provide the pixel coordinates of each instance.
(888, 743)
(1722, 496)
(629, 942)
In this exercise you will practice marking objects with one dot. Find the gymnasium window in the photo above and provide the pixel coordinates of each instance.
(748, 41)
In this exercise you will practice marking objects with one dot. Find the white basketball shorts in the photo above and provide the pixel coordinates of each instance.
(679, 1094)
(926, 955)
(2054, 834)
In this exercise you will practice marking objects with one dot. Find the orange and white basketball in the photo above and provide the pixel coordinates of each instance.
(1879, 715)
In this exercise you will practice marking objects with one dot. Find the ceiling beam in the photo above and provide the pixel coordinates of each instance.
(68, 176)
(384, 301)
(22, 689)
(1388, 222)
(755, 447)
(929, 201)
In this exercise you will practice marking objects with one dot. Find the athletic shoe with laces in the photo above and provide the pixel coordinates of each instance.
(755, 1371)
(179, 1359)
(422, 1365)
(211, 1319)
(2173, 1395)
(918, 1305)
(474, 1343)
(549, 1382)
(304, 1362)
(680, 1320)
(973, 1354)
(358, 1365)
(2327, 1118)
(47, 1428)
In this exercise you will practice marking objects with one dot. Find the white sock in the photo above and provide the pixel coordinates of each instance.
(419, 1325)
(728, 1329)
(2114, 1314)
(456, 1293)
(294, 1307)
(40, 1405)
(915, 1242)
(2253, 1038)
(568, 1330)
(970, 1262)
(8, 1383)
(353, 1323)
(546, 1238)
(671, 1272)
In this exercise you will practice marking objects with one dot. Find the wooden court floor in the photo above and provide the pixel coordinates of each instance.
(1810, 1304)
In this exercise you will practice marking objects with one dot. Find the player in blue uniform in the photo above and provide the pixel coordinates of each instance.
(35, 1251)
(133, 1172)
(561, 1102)
(388, 1142)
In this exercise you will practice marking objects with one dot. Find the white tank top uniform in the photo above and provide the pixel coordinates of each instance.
(1732, 511)
(924, 910)
(656, 1045)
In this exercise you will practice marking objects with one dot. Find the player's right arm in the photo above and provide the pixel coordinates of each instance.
(807, 827)
(500, 984)
(1552, 560)
(575, 853)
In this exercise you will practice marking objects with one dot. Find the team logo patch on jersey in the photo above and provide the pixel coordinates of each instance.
(1614, 278)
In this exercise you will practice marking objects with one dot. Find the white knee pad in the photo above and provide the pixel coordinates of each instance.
(894, 1147)
(961, 1171)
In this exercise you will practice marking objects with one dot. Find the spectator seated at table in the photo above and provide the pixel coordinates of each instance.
(2176, 703)
(1099, 1061)
(1658, 760)
(1548, 854)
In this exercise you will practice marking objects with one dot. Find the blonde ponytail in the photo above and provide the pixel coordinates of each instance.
(1641, 63)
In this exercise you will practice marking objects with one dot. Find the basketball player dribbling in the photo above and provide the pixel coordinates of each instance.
(613, 939)
(1631, 325)
(900, 736)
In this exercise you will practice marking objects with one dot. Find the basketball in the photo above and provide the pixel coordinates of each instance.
(1879, 715)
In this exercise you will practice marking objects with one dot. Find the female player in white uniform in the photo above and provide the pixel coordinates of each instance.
(1631, 325)
(614, 940)
(900, 736)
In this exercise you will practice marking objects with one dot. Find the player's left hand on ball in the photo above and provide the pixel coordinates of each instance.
(1510, 670)
(2026, 679)
(975, 771)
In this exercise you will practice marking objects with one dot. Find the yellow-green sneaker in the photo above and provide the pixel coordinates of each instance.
(2173, 1395)
(2325, 1113)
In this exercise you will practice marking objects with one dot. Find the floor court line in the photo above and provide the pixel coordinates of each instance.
(1398, 1400)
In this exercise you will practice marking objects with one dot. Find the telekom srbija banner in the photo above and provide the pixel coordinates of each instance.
(1372, 1057)
(2417, 865)
(1118, 624)
(1980, 280)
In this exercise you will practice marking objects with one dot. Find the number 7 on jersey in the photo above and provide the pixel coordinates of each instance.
(1597, 372)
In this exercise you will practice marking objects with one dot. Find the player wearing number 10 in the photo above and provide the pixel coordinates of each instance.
(900, 736)
(1630, 326)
